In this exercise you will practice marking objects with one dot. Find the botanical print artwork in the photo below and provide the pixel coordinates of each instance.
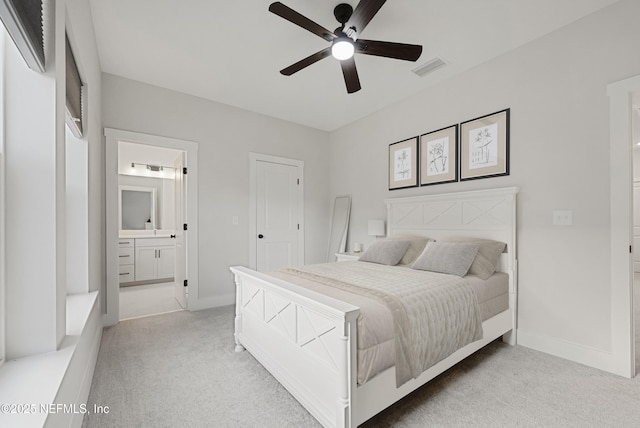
(483, 147)
(402, 164)
(438, 156)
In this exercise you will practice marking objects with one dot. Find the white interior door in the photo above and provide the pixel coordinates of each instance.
(636, 227)
(277, 215)
(180, 290)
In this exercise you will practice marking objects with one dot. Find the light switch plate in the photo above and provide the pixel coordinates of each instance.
(562, 218)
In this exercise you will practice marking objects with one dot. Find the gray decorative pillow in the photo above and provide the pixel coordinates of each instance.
(385, 252)
(488, 257)
(416, 247)
(446, 257)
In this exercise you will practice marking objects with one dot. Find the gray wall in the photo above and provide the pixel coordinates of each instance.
(556, 89)
(225, 136)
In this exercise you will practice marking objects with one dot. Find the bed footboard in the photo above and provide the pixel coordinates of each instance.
(306, 340)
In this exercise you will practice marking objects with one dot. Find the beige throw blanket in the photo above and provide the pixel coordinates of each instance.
(434, 314)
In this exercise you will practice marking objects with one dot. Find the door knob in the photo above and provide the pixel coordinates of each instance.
(260, 236)
(172, 236)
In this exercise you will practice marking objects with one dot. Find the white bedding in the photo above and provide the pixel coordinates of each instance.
(399, 308)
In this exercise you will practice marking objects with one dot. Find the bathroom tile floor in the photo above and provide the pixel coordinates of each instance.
(148, 299)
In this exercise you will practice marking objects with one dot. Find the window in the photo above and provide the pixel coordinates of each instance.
(74, 92)
(2, 235)
(23, 21)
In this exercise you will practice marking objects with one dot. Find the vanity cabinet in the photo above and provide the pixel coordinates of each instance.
(154, 258)
(126, 260)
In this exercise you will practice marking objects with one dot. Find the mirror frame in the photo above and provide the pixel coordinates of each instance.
(342, 245)
(151, 190)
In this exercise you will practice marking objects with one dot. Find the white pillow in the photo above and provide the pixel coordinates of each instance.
(446, 257)
(385, 252)
(486, 261)
(416, 247)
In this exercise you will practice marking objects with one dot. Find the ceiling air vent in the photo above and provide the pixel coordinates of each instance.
(429, 66)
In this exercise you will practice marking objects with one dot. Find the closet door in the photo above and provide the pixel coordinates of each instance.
(277, 223)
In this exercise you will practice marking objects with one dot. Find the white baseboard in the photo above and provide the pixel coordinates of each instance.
(592, 357)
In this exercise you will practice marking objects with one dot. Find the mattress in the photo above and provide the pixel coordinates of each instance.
(376, 342)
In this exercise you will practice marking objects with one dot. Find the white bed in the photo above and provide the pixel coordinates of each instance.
(308, 340)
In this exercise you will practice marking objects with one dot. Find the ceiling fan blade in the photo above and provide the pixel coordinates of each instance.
(350, 75)
(389, 49)
(300, 20)
(294, 68)
(363, 13)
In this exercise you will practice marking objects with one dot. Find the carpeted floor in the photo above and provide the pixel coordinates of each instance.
(180, 370)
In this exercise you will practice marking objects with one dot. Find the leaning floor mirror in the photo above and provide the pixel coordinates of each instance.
(339, 227)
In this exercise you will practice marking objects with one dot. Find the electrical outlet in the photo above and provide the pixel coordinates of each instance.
(234, 220)
(562, 218)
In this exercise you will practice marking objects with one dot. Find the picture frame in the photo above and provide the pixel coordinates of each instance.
(403, 164)
(484, 146)
(439, 156)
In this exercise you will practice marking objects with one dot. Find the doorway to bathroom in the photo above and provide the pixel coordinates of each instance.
(149, 190)
(151, 225)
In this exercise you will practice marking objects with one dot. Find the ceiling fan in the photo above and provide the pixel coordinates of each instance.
(345, 39)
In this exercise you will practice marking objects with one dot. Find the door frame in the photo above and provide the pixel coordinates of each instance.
(254, 158)
(111, 301)
(621, 226)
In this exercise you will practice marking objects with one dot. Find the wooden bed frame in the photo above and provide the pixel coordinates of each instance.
(308, 341)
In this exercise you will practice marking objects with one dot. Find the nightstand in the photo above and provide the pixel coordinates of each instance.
(347, 257)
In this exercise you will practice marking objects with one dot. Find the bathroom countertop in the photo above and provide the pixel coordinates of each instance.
(141, 235)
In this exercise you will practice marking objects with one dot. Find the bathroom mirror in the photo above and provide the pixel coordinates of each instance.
(339, 227)
(137, 208)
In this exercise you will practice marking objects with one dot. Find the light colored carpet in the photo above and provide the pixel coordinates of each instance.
(180, 370)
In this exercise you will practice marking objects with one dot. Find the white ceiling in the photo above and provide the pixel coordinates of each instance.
(231, 51)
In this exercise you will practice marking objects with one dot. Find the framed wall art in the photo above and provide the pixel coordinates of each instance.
(403, 164)
(484, 146)
(439, 156)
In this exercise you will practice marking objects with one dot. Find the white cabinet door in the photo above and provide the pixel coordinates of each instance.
(166, 262)
(146, 265)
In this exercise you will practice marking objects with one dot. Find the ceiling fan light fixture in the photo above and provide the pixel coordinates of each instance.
(344, 39)
(342, 49)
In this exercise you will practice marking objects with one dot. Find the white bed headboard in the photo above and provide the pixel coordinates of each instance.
(488, 214)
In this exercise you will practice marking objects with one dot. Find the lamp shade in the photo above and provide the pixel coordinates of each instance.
(342, 49)
(376, 228)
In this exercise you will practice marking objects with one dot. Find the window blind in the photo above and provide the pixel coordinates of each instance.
(74, 93)
(23, 21)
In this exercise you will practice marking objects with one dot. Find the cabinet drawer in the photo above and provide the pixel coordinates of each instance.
(126, 255)
(126, 273)
(122, 243)
(154, 242)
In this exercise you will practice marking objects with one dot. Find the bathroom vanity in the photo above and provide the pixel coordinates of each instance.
(146, 259)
